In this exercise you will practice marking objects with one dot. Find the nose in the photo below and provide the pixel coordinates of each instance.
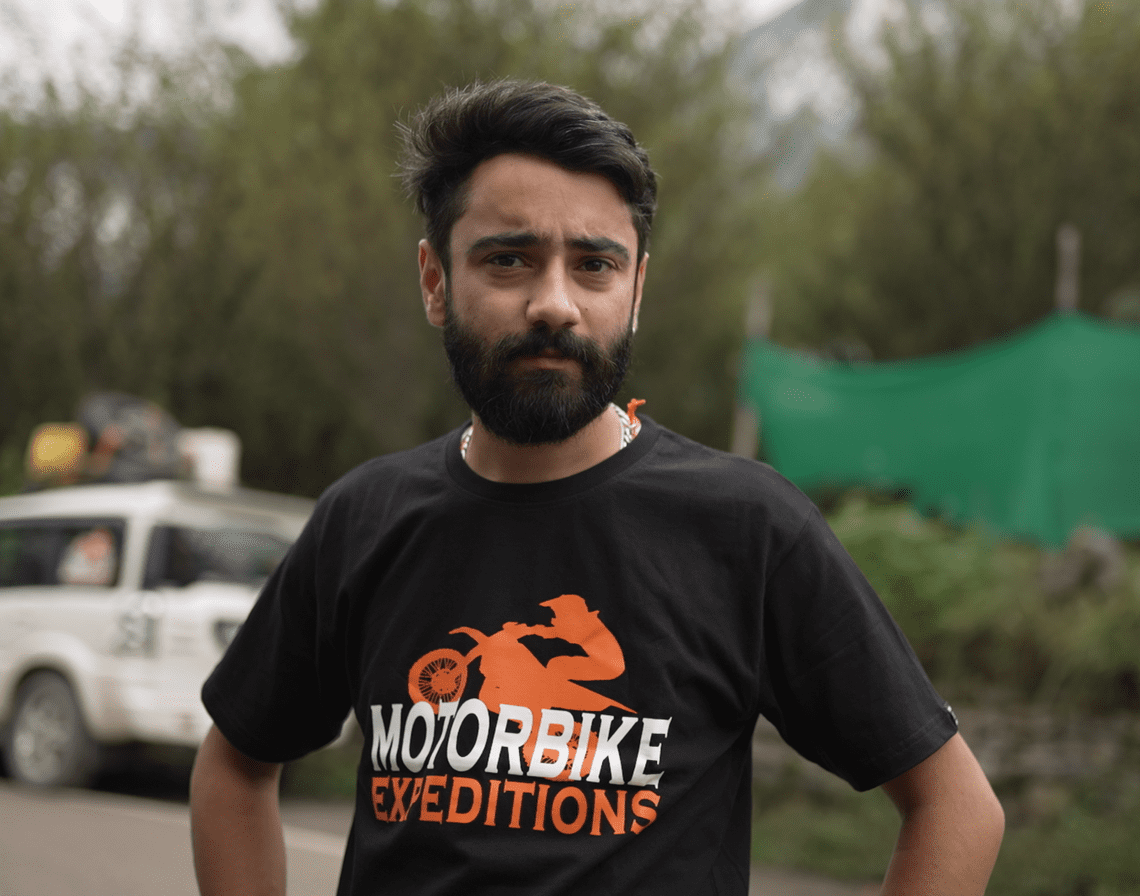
(552, 302)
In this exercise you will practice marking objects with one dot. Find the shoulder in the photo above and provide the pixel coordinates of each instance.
(681, 463)
(377, 486)
(719, 488)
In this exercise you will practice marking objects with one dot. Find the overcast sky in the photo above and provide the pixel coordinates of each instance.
(115, 11)
(64, 39)
(59, 27)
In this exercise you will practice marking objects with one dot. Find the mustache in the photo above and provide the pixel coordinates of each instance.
(535, 342)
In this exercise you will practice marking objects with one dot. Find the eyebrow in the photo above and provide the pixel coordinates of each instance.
(528, 240)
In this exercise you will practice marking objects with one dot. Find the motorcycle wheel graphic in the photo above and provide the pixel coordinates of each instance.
(438, 676)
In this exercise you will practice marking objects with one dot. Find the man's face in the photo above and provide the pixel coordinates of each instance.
(542, 302)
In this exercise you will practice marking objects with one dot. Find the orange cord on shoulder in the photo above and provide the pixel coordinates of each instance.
(631, 409)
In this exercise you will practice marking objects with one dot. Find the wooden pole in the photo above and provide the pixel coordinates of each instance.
(757, 325)
(1068, 268)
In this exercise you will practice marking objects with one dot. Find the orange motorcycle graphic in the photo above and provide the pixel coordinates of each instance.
(513, 675)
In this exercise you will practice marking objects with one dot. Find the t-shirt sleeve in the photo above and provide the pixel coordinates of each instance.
(280, 691)
(847, 690)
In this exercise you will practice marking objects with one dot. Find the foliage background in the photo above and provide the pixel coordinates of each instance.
(236, 248)
(229, 240)
(984, 128)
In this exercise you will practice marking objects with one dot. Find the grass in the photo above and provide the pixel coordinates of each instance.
(1080, 840)
(1083, 849)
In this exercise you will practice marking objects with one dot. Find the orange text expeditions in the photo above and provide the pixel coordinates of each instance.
(565, 808)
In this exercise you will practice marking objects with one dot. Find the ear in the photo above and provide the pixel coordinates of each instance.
(638, 286)
(433, 284)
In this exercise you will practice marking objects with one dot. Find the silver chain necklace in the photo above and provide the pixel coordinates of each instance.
(630, 427)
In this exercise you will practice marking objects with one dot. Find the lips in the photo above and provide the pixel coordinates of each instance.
(533, 353)
(546, 358)
(551, 354)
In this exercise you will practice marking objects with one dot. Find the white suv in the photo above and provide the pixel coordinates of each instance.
(116, 601)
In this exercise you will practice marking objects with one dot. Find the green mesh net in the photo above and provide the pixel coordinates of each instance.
(1030, 436)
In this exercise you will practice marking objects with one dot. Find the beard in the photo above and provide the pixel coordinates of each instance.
(534, 407)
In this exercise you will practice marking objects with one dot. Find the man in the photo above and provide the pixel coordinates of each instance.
(635, 600)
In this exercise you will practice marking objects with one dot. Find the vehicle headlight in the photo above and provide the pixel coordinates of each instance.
(224, 632)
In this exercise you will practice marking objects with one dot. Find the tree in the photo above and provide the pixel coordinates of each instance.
(262, 272)
(985, 132)
(91, 199)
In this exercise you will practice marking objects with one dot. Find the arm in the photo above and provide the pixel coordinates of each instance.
(239, 848)
(952, 825)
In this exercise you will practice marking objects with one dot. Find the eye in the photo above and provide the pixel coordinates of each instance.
(597, 265)
(505, 260)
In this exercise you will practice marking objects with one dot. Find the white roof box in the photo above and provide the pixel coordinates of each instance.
(214, 455)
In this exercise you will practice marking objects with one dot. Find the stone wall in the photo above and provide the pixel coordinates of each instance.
(1014, 745)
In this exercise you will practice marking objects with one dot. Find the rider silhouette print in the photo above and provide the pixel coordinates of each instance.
(514, 676)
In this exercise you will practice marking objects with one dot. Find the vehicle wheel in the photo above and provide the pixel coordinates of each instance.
(48, 744)
(438, 676)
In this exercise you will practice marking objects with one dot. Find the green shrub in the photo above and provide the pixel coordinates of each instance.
(978, 618)
(845, 835)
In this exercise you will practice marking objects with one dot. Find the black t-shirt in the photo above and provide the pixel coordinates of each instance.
(557, 682)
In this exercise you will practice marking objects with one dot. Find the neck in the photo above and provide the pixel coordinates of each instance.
(500, 461)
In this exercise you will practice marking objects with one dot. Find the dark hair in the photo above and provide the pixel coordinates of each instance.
(449, 137)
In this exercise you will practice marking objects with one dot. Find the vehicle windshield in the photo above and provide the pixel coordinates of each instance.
(182, 555)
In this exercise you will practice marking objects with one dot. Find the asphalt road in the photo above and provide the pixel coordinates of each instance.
(86, 843)
(98, 843)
